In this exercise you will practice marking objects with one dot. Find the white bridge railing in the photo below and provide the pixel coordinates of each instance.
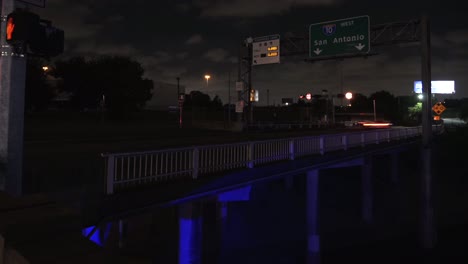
(127, 170)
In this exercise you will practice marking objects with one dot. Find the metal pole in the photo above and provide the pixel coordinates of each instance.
(229, 99)
(428, 230)
(341, 80)
(250, 83)
(240, 116)
(12, 82)
(333, 110)
(178, 88)
(180, 104)
(181, 108)
(375, 112)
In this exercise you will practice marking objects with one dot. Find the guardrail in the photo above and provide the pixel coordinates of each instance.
(127, 170)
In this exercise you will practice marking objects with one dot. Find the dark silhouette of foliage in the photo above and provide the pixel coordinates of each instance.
(386, 104)
(217, 104)
(197, 99)
(37, 91)
(360, 104)
(117, 79)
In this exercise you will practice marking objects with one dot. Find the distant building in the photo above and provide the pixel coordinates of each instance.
(164, 97)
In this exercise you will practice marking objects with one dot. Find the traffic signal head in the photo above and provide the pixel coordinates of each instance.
(22, 27)
(36, 35)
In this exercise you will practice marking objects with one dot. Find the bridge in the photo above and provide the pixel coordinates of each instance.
(129, 170)
(191, 178)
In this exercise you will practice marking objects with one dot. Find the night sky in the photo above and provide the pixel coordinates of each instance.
(192, 38)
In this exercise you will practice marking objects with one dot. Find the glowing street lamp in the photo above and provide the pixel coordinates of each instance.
(207, 77)
(420, 96)
(349, 96)
(45, 68)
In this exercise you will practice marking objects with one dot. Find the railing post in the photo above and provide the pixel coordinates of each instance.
(322, 145)
(388, 135)
(110, 174)
(195, 162)
(376, 137)
(344, 140)
(291, 149)
(363, 139)
(250, 155)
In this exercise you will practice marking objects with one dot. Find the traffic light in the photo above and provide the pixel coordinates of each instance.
(22, 27)
(36, 36)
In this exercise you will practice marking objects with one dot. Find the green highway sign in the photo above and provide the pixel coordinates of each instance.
(339, 37)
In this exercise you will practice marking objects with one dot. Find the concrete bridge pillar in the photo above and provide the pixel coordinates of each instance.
(190, 233)
(367, 195)
(312, 217)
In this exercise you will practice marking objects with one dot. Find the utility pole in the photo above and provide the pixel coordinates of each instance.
(12, 82)
(428, 230)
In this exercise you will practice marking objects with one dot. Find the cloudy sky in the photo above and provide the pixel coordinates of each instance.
(191, 38)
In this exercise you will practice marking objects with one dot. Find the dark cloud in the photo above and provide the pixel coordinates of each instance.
(186, 39)
(239, 8)
(195, 39)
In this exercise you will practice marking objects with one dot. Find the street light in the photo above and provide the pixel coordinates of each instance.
(420, 96)
(349, 96)
(207, 77)
(45, 68)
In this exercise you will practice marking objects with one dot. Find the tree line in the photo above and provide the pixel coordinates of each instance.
(114, 82)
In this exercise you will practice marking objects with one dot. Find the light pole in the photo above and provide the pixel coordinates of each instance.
(180, 102)
(375, 113)
(178, 87)
(349, 96)
(207, 77)
(229, 99)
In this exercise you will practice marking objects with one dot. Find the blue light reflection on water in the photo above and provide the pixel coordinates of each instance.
(100, 236)
(190, 240)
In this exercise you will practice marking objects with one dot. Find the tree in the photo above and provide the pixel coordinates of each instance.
(217, 104)
(386, 104)
(37, 92)
(197, 99)
(415, 112)
(464, 109)
(116, 78)
(360, 104)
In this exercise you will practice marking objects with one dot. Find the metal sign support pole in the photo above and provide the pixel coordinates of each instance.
(428, 230)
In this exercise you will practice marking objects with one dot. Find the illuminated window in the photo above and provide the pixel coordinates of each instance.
(272, 48)
(272, 54)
